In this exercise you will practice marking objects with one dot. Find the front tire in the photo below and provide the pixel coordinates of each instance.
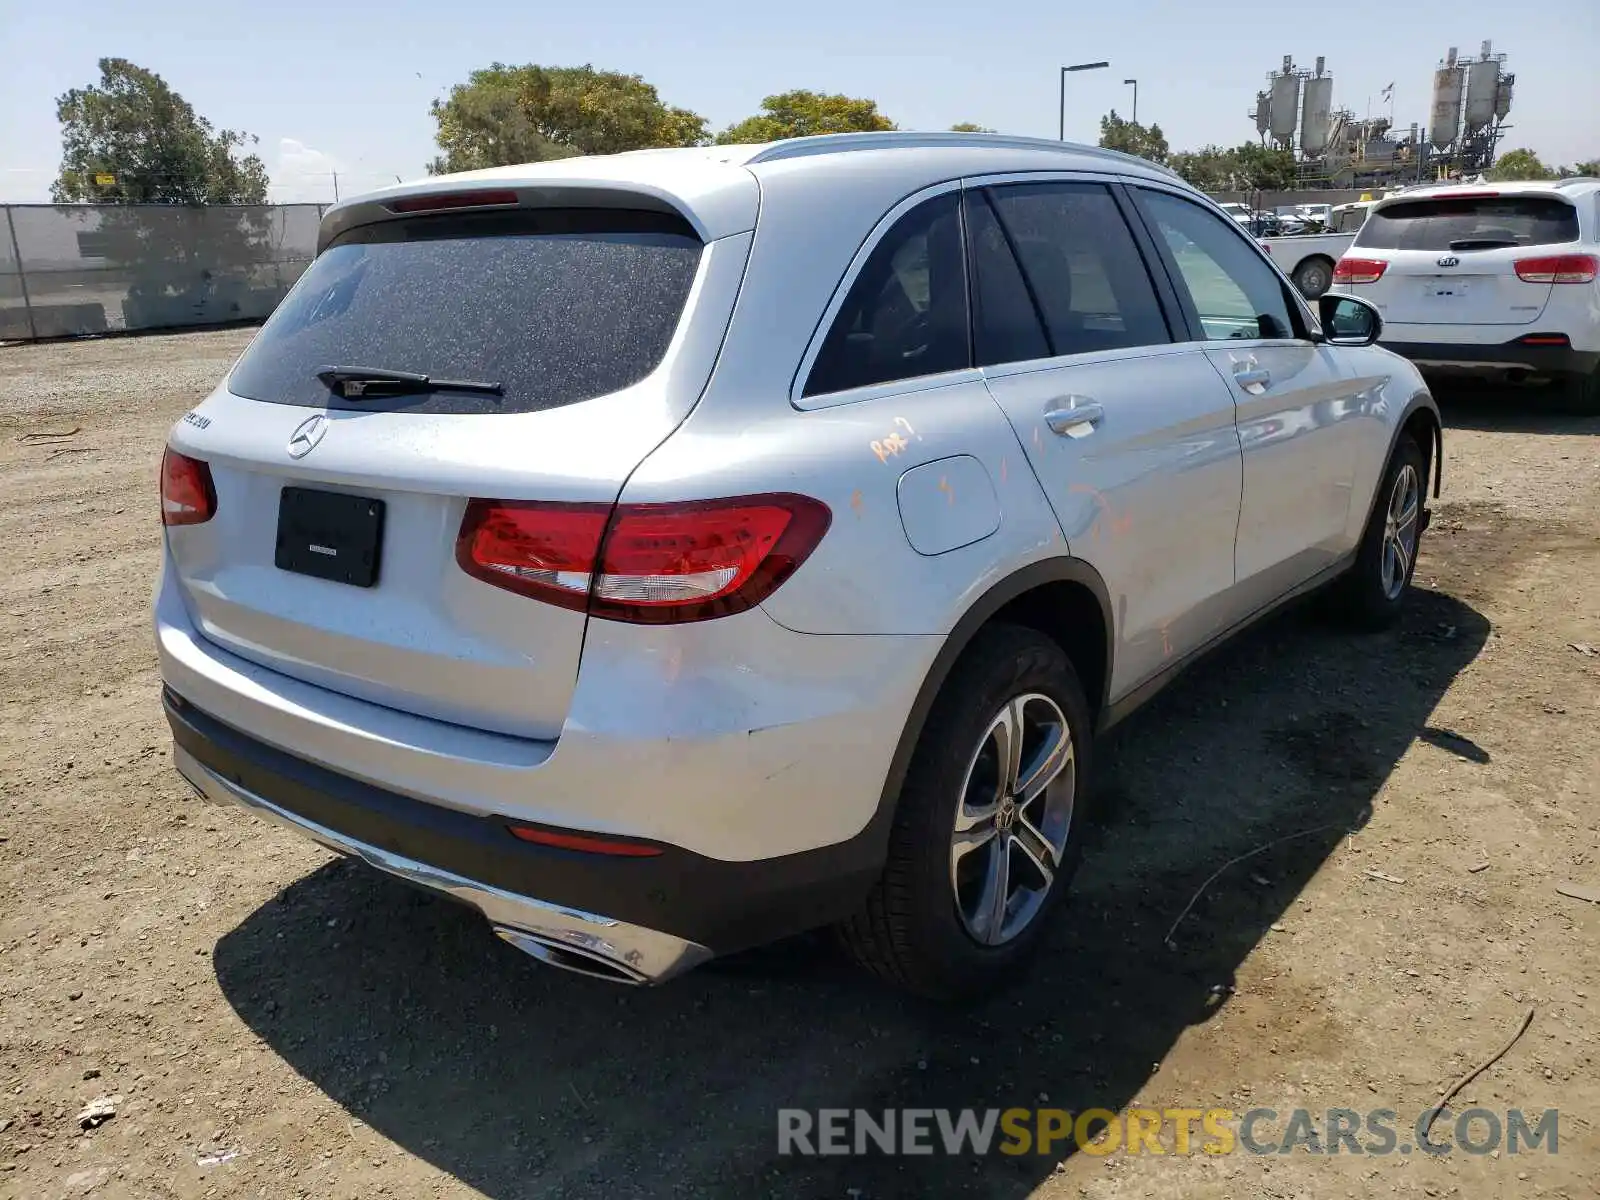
(986, 834)
(1372, 594)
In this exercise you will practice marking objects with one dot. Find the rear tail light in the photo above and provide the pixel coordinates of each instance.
(187, 495)
(1558, 268)
(1359, 270)
(1545, 339)
(644, 563)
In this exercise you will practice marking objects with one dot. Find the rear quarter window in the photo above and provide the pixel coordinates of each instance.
(557, 306)
(1470, 223)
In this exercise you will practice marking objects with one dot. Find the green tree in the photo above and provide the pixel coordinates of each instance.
(1247, 168)
(1211, 168)
(969, 127)
(505, 115)
(1146, 141)
(1591, 168)
(1261, 168)
(1520, 164)
(803, 114)
(146, 140)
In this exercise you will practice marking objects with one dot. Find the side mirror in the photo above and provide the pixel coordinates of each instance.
(1348, 320)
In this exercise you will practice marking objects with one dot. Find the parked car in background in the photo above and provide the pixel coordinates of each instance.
(1308, 259)
(668, 552)
(1496, 281)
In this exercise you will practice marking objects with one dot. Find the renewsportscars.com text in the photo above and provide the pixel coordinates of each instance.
(1099, 1131)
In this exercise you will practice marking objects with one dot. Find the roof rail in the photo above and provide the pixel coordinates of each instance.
(1566, 179)
(904, 139)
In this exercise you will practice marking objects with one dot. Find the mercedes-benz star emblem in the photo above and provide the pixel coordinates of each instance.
(1449, 260)
(306, 435)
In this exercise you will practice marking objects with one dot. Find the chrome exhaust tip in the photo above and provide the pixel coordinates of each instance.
(572, 955)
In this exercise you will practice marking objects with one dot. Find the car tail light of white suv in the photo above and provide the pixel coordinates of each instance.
(643, 563)
(187, 494)
(1558, 268)
(1359, 270)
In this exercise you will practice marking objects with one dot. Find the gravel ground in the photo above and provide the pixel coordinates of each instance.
(276, 1023)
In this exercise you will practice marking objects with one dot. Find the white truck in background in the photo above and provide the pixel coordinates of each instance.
(1308, 258)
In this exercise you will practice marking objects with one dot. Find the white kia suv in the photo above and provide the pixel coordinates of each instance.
(1495, 280)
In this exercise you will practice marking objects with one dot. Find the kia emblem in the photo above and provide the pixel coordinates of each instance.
(306, 435)
(1449, 260)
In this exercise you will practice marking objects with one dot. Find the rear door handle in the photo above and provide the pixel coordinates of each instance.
(1075, 418)
(1252, 378)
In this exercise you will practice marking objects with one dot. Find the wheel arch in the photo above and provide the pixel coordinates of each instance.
(1064, 598)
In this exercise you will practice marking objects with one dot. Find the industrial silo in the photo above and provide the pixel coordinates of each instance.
(1447, 89)
(1502, 98)
(1483, 91)
(1284, 106)
(1316, 114)
(1263, 109)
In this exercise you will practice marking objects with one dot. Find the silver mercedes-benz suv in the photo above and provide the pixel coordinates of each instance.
(672, 551)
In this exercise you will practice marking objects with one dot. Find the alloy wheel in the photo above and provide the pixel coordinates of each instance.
(1013, 818)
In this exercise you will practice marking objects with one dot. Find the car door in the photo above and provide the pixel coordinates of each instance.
(1297, 407)
(1130, 433)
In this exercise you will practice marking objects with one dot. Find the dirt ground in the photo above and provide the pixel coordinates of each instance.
(277, 1023)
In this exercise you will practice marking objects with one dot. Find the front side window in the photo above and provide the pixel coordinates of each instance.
(906, 313)
(1233, 292)
(1082, 266)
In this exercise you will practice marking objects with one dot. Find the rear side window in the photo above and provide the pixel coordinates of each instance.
(906, 313)
(1081, 266)
(1473, 223)
(557, 306)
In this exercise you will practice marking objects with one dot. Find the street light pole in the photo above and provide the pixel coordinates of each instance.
(1061, 108)
(1134, 83)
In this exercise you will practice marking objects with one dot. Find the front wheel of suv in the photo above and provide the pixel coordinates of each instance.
(986, 832)
(1371, 594)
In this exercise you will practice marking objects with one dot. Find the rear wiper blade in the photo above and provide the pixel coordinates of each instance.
(357, 383)
(1483, 244)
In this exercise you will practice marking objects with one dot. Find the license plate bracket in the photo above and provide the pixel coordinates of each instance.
(329, 535)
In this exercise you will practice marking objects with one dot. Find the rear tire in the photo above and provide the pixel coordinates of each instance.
(962, 902)
(1313, 277)
(1581, 396)
(1373, 591)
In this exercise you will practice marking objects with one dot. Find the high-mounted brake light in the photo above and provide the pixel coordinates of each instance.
(1359, 270)
(1475, 195)
(643, 563)
(447, 200)
(1558, 268)
(187, 495)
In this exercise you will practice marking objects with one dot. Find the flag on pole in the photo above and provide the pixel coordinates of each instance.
(1388, 92)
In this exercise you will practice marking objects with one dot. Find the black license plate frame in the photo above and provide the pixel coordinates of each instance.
(330, 535)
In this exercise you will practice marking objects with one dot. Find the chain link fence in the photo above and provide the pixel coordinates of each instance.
(70, 270)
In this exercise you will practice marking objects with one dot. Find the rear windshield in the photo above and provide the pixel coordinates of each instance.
(1470, 224)
(556, 306)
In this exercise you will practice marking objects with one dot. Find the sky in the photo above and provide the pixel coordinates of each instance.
(344, 88)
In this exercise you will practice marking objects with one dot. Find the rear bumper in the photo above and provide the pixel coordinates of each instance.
(1497, 358)
(635, 920)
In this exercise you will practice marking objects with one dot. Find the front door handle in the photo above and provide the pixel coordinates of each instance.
(1076, 418)
(1253, 379)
